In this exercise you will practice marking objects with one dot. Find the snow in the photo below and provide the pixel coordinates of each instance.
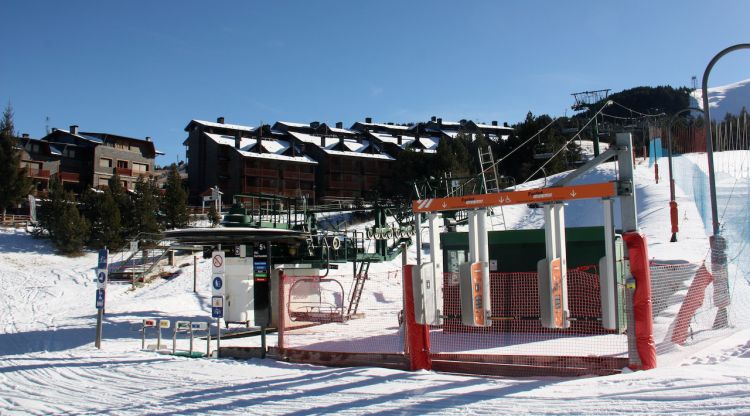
(48, 364)
(724, 99)
(356, 149)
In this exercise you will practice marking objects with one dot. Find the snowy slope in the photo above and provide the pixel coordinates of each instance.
(725, 99)
(48, 364)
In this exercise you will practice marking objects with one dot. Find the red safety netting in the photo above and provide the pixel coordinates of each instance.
(516, 326)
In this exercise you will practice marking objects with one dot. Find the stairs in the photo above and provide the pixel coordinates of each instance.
(136, 265)
(359, 284)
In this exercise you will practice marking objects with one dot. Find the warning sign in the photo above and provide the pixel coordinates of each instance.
(217, 262)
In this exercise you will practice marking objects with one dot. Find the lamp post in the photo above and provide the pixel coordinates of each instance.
(672, 201)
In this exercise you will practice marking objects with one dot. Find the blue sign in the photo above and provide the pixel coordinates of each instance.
(217, 312)
(218, 282)
(102, 259)
(99, 298)
(101, 277)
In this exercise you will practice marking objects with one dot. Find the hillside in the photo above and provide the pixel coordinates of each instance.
(725, 99)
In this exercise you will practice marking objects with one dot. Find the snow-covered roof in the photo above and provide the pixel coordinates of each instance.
(273, 149)
(430, 143)
(223, 125)
(389, 138)
(388, 126)
(356, 148)
(291, 124)
(338, 130)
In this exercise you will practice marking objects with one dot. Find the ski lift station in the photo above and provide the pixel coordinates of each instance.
(479, 302)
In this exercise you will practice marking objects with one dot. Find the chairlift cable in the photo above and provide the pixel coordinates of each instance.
(511, 152)
(581, 130)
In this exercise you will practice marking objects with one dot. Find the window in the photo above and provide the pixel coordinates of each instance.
(125, 184)
(103, 182)
(69, 152)
(122, 164)
(105, 162)
(123, 145)
(140, 168)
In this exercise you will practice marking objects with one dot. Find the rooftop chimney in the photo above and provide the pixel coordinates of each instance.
(505, 124)
(237, 140)
(494, 122)
(74, 129)
(339, 124)
(315, 124)
(433, 119)
(368, 120)
(54, 129)
(148, 138)
(440, 121)
(220, 120)
(25, 136)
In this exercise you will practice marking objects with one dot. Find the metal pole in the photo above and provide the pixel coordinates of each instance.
(218, 336)
(195, 272)
(669, 157)
(143, 337)
(718, 244)
(709, 143)
(99, 316)
(262, 342)
(191, 339)
(158, 337)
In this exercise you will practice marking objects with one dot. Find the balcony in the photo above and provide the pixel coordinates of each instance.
(261, 172)
(68, 176)
(38, 173)
(343, 185)
(123, 171)
(304, 176)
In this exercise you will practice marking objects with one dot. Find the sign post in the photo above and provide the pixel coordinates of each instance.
(101, 286)
(218, 268)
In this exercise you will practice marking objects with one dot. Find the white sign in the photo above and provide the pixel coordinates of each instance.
(101, 278)
(164, 323)
(493, 265)
(199, 326)
(217, 262)
(134, 246)
(149, 323)
(182, 325)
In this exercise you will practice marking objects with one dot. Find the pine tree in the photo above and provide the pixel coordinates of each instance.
(14, 184)
(125, 206)
(174, 203)
(103, 215)
(59, 217)
(71, 229)
(213, 216)
(146, 206)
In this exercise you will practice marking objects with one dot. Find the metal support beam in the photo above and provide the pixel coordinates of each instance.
(603, 157)
(628, 209)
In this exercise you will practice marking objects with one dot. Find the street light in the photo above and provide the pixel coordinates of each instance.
(718, 244)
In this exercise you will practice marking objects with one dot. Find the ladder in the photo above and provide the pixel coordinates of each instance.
(489, 172)
(490, 183)
(359, 284)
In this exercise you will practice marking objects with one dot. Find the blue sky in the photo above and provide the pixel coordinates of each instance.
(146, 68)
